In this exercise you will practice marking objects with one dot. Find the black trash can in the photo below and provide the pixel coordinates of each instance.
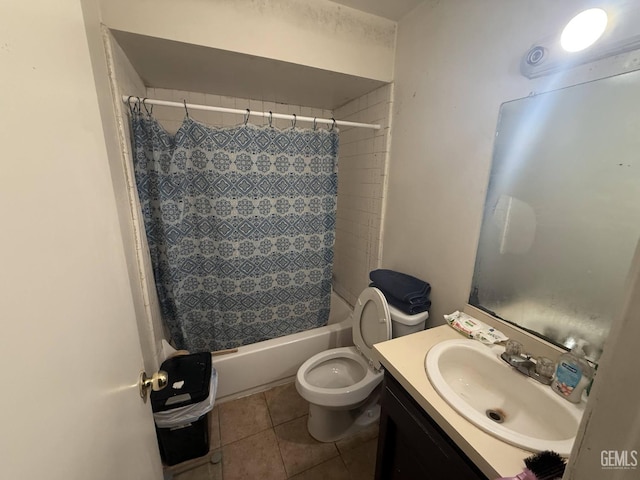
(181, 408)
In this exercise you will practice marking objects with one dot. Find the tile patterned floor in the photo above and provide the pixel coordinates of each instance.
(264, 437)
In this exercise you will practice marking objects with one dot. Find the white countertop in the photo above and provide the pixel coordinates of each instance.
(403, 358)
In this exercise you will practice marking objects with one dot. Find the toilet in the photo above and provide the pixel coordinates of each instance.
(342, 385)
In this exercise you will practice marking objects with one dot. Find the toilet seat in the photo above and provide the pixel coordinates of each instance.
(371, 323)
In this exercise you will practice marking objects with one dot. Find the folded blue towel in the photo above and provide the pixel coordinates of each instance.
(405, 307)
(402, 287)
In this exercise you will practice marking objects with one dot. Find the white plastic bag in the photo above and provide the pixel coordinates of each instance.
(182, 416)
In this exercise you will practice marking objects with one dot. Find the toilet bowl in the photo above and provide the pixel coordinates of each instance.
(342, 384)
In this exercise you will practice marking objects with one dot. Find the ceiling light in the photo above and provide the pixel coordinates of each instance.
(583, 30)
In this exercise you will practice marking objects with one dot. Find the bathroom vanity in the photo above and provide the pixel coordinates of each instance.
(411, 444)
(421, 435)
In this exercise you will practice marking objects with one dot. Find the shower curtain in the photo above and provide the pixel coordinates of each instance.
(240, 225)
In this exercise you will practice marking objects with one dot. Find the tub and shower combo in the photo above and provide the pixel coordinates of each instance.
(240, 225)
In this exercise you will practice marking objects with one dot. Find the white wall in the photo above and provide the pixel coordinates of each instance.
(315, 33)
(456, 62)
(363, 160)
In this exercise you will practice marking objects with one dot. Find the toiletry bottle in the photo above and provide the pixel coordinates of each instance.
(573, 374)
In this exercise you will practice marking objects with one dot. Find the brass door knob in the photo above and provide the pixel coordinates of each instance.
(156, 382)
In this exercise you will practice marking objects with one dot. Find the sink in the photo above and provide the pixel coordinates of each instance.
(481, 387)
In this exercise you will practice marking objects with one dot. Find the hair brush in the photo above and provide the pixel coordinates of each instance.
(545, 465)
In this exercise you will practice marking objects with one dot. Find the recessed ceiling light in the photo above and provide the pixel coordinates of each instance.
(583, 30)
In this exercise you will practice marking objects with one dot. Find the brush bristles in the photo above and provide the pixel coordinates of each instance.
(546, 465)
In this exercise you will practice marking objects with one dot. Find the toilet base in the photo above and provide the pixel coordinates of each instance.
(329, 425)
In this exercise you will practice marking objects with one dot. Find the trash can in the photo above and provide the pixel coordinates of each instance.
(180, 410)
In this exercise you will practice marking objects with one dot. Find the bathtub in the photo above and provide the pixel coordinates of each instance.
(260, 366)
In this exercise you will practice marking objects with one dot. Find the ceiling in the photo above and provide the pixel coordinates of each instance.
(391, 9)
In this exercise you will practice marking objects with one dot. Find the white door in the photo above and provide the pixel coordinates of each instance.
(69, 348)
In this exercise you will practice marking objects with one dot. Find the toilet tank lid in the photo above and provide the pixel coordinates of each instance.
(406, 319)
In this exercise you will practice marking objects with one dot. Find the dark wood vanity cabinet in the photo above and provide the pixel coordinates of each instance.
(411, 446)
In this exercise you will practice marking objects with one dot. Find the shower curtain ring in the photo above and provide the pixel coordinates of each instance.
(314, 123)
(131, 108)
(294, 121)
(270, 118)
(333, 125)
(186, 112)
(144, 104)
(246, 116)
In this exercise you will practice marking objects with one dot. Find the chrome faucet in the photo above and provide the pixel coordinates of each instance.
(541, 369)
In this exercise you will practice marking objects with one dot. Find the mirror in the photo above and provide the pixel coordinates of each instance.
(562, 214)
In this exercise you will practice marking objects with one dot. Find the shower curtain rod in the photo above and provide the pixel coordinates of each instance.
(296, 118)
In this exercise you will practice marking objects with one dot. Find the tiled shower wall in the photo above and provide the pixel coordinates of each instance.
(361, 186)
(362, 169)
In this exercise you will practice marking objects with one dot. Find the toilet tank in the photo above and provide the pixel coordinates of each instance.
(403, 324)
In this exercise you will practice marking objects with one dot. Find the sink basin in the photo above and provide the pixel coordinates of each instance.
(481, 387)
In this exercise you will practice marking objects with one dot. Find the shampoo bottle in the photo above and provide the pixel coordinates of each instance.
(573, 375)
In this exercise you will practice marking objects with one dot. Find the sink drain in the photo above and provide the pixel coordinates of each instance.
(495, 415)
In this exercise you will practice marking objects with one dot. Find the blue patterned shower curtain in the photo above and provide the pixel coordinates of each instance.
(240, 225)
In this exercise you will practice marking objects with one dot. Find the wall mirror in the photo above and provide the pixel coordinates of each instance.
(562, 214)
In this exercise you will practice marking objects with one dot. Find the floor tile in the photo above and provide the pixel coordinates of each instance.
(363, 436)
(193, 463)
(285, 403)
(243, 417)
(334, 469)
(361, 461)
(214, 429)
(298, 449)
(255, 457)
(203, 472)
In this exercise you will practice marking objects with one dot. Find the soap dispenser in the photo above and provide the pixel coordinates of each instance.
(573, 374)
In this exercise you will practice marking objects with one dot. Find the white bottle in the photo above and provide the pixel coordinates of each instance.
(573, 375)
